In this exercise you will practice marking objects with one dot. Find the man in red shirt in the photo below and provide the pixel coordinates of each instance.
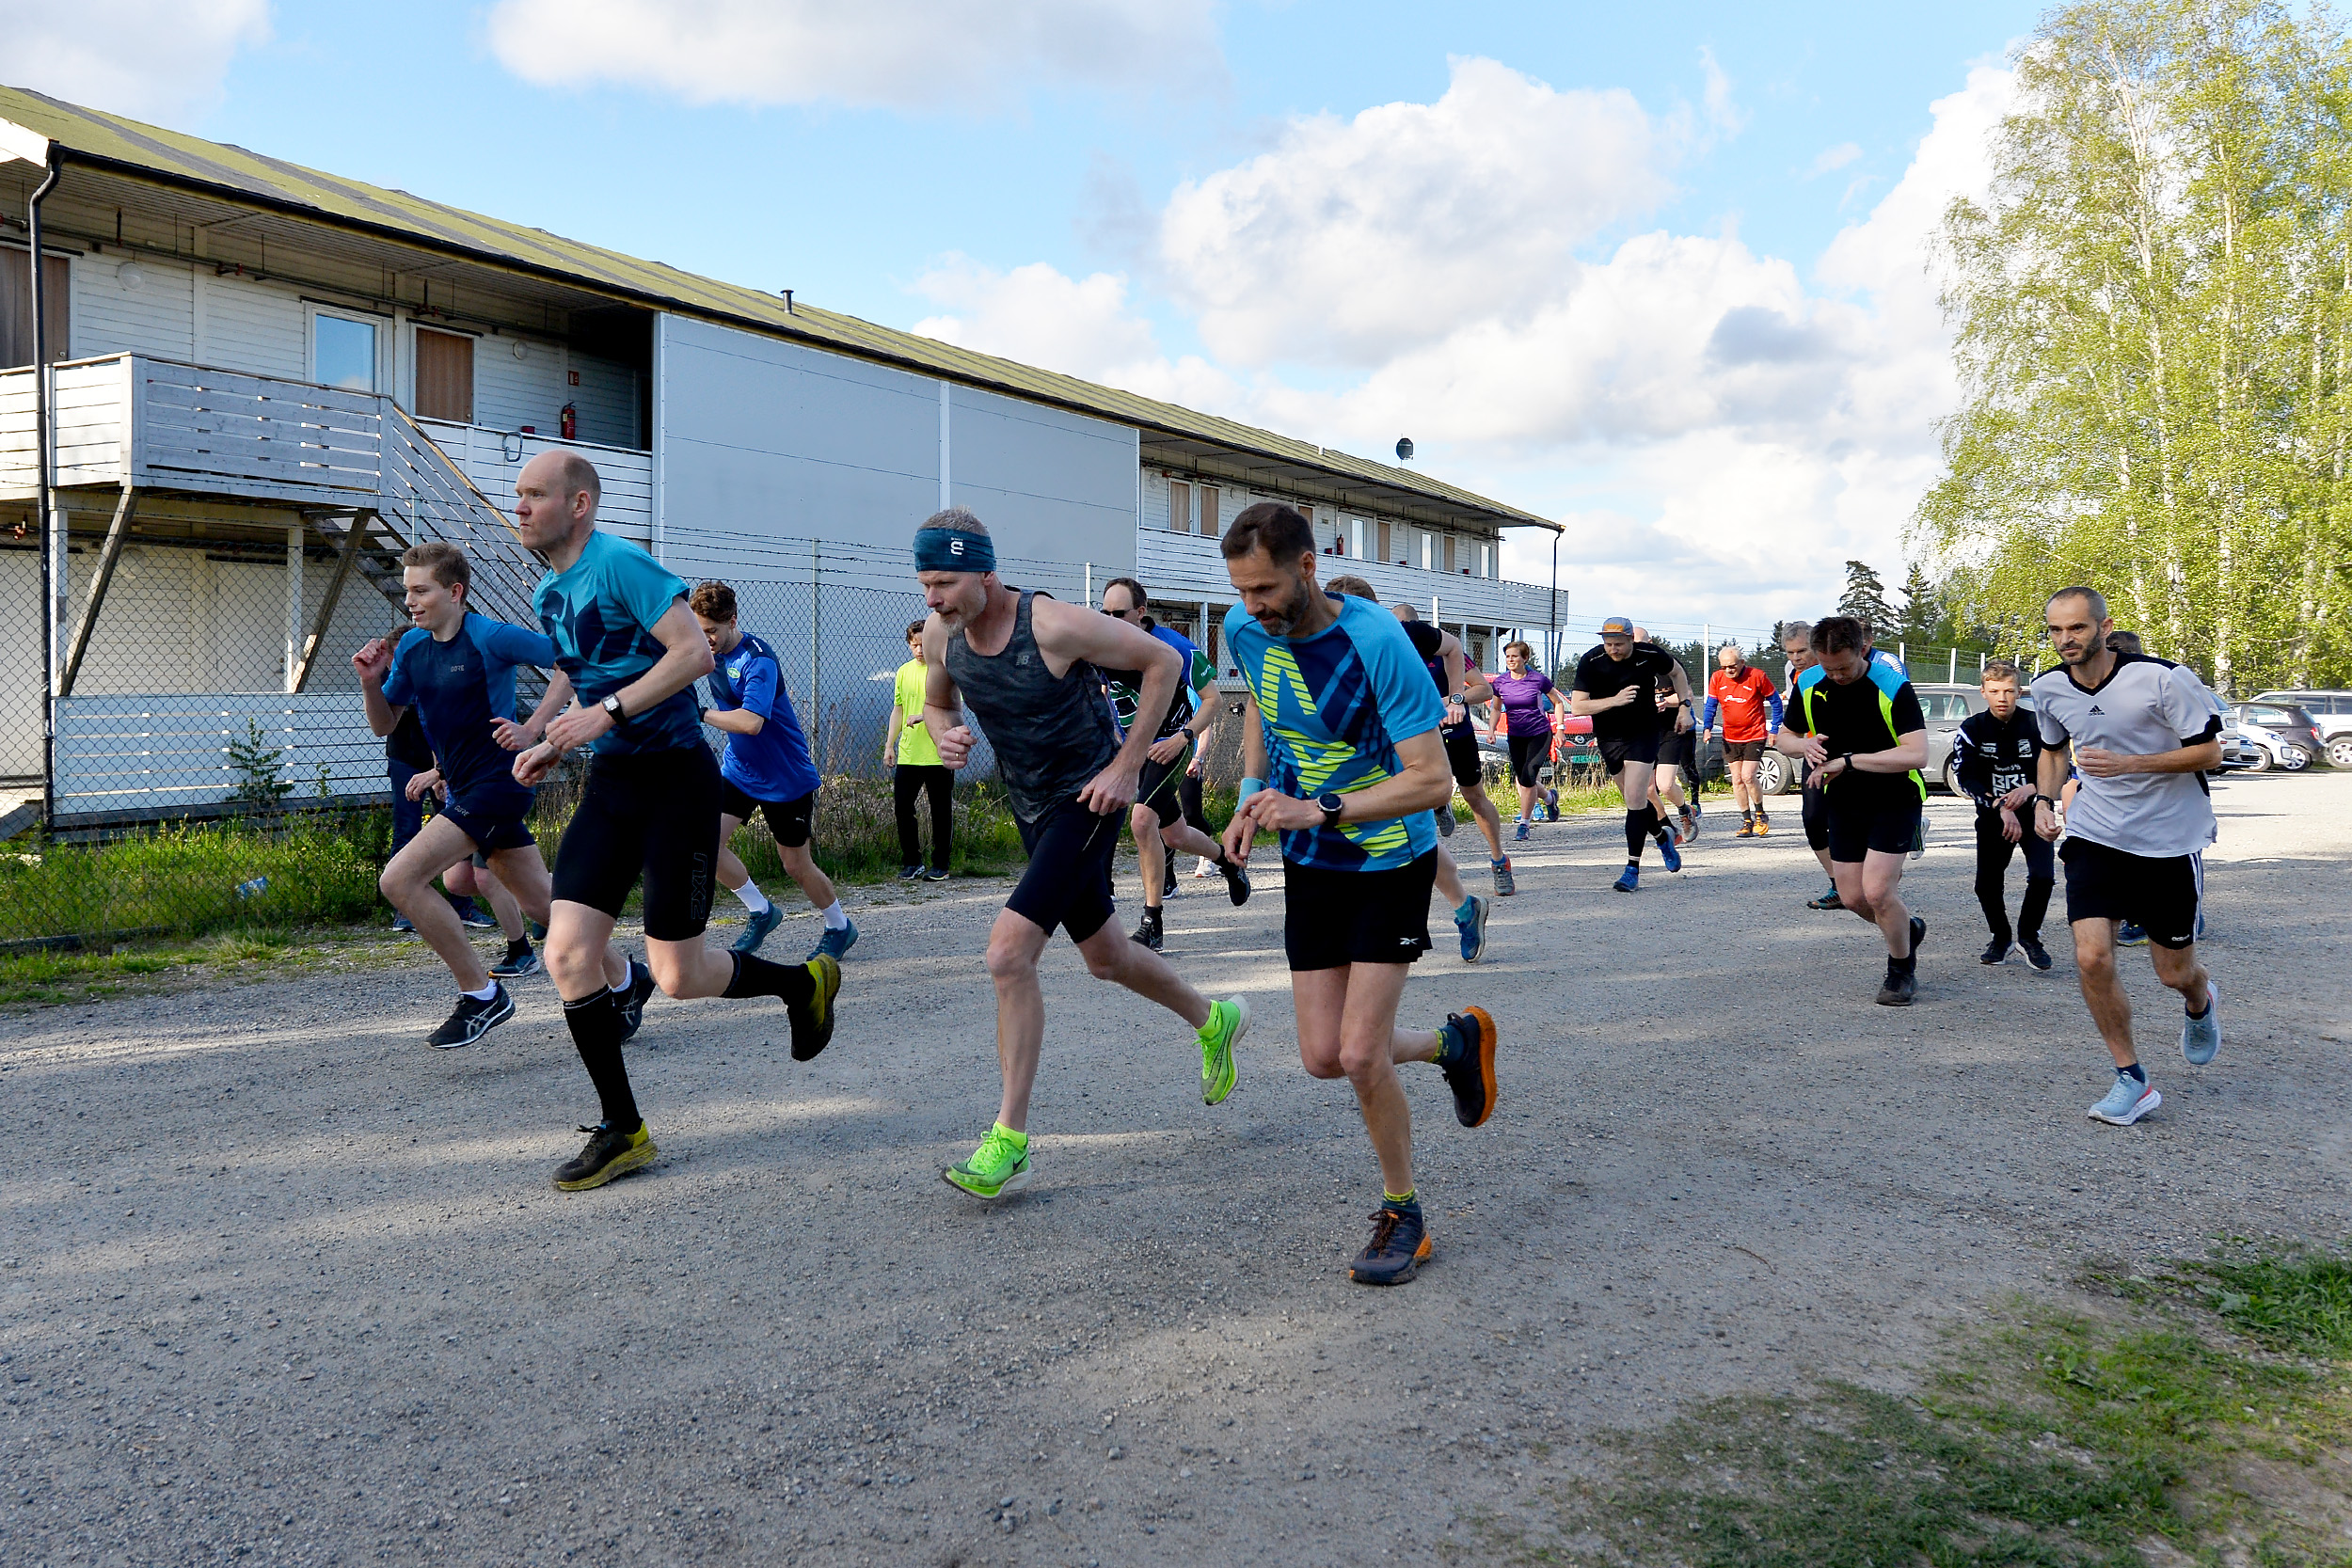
(1742, 695)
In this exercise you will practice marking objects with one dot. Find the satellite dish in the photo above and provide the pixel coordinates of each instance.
(1405, 449)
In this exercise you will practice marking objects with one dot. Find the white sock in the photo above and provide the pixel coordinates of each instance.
(752, 898)
(836, 918)
(486, 993)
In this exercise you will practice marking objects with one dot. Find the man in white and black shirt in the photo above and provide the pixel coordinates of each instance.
(2143, 733)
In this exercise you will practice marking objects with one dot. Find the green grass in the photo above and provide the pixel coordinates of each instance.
(2206, 1412)
(98, 970)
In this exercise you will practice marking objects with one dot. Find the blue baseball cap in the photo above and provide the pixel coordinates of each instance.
(1616, 626)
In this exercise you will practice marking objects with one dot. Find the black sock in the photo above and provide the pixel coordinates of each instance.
(596, 1024)
(2137, 1074)
(1636, 829)
(519, 947)
(757, 976)
(2193, 1013)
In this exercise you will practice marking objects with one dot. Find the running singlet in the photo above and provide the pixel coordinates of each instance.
(2145, 706)
(1051, 735)
(1866, 716)
(1996, 757)
(1523, 699)
(916, 747)
(1647, 666)
(1429, 642)
(457, 688)
(1749, 707)
(774, 764)
(600, 614)
(1332, 708)
(1127, 686)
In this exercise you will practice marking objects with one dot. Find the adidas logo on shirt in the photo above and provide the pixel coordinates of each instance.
(2097, 709)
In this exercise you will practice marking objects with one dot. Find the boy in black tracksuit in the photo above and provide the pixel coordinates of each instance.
(1995, 753)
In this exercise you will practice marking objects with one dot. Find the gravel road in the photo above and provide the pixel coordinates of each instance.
(283, 1284)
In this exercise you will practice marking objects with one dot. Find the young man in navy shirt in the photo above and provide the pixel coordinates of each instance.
(767, 768)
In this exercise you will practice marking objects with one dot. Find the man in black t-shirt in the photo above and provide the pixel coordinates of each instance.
(1857, 724)
(1616, 686)
(1461, 687)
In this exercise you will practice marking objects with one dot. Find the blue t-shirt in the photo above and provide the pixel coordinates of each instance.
(1332, 708)
(458, 687)
(600, 616)
(774, 764)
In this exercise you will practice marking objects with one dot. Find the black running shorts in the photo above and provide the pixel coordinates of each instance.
(2157, 893)
(649, 813)
(1616, 751)
(1334, 918)
(1816, 816)
(1068, 883)
(789, 820)
(1889, 827)
(490, 831)
(1743, 751)
(1674, 747)
(1161, 786)
(1528, 752)
(1461, 753)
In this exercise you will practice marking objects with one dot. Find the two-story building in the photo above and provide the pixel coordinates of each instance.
(268, 380)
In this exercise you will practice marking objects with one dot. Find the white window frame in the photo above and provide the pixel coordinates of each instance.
(381, 325)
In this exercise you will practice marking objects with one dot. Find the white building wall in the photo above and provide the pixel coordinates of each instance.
(256, 328)
(607, 398)
(157, 318)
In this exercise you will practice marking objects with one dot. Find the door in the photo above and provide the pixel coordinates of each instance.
(444, 376)
(16, 307)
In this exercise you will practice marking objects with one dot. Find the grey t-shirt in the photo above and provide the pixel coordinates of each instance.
(2145, 705)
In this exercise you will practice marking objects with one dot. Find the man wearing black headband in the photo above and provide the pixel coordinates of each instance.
(1028, 667)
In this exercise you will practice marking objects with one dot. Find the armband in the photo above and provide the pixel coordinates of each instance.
(1249, 787)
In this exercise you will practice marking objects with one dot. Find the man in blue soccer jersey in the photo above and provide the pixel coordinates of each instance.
(456, 668)
(1341, 755)
(766, 768)
(629, 647)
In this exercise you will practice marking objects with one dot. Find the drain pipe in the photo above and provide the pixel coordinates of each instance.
(51, 534)
(1556, 656)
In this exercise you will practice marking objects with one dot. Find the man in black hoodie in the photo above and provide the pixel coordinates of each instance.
(1995, 752)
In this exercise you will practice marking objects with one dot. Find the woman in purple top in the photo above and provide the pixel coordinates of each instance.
(1521, 691)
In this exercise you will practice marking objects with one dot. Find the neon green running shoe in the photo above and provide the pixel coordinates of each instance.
(998, 1167)
(1229, 1020)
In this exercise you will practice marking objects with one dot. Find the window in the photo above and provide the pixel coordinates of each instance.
(1382, 530)
(1208, 522)
(444, 376)
(342, 352)
(16, 307)
(1179, 507)
(1942, 707)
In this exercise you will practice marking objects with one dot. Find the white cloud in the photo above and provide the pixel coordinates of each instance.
(899, 53)
(159, 59)
(1833, 157)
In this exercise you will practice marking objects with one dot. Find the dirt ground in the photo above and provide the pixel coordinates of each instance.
(280, 1283)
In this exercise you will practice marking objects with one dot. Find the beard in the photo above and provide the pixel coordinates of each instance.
(1284, 618)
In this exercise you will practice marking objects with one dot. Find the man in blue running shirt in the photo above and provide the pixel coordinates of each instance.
(767, 768)
(456, 668)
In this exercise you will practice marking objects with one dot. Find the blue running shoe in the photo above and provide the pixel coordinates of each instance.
(2131, 935)
(1519, 835)
(1505, 883)
(833, 944)
(756, 929)
(1470, 924)
(633, 999)
(1628, 880)
(1672, 856)
(2201, 1037)
(2125, 1104)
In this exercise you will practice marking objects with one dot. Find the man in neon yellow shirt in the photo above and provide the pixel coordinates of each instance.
(916, 769)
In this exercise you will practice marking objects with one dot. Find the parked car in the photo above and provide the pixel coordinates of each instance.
(2271, 734)
(1945, 706)
(2331, 711)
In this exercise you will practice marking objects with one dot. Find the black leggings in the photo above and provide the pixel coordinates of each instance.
(1188, 791)
(906, 782)
(1993, 857)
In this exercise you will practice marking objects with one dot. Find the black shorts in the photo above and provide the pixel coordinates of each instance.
(1616, 751)
(1528, 752)
(1461, 752)
(1889, 827)
(1743, 751)
(649, 813)
(1161, 786)
(1816, 811)
(499, 827)
(2157, 893)
(1067, 882)
(789, 820)
(1332, 918)
(1674, 749)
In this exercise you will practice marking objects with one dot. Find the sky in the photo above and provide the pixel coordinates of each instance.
(1658, 271)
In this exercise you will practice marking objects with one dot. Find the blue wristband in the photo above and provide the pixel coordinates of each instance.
(1249, 787)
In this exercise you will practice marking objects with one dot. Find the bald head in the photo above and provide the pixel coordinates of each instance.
(555, 499)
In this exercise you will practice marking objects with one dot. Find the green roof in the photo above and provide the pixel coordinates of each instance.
(150, 153)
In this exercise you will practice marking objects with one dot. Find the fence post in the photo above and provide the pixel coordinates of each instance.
(1090, 585)
(1980, 669)
(815, 679)
(293, 603)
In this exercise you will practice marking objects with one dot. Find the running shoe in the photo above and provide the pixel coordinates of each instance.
(812, 1020)
(1518, 833)
(1149, 933)
(1399, 1247)
(1505, 884)
(1168, 878)
(1918, 836)
(834, 944)
(2125, 1104)
(519, 960)
(910, 872)
(1237, 882)
(1445, 820)
(471, 1020)
(473, 917)
(1465, 1055)
(402, 924)
(1919, 934)
(609, 1154)
(1898, 989)
(998, 1167)
(1690, 824)
(1747, 827)
(2201, 1037)
(1826, 901)
(1996, 952)
(1763, 825)
(1229, 1020)
(537, 931)
(633, 1000)
(1202, 866)
(2131, 934)
(936, 874)
(1551, 805)
(757, 929)
(2037, 955)
(1672, 856)
(1470, 924)
(1628, 880)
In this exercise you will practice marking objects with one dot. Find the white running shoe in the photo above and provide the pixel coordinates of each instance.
(1203, 867)
(2125, 1104)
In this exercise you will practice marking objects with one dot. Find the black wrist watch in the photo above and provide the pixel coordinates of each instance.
(611, 706)
(1331, 805)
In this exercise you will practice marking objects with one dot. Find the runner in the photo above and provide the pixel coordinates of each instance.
(766, 769)
(1341, 755)
(1189, 792)
(630, 649)
(1750, 708)
(1028, 667)
(457, 669)
(1157, 817)
(1615, 687)
(1857, 724)
(1675, 757)
(1519, 694)
(470, 878)
(2143, 735)
(1996, 754)
(1795, 645)
(1463, 687)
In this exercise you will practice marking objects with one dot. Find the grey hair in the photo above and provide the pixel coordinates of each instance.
(957, 519)
(1732, 649)
(1796, 631)
(2091, 596)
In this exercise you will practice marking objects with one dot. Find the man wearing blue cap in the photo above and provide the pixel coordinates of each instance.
(1616, 686)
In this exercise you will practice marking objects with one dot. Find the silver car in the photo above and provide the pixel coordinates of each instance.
(2331, 711)
(1945, 706)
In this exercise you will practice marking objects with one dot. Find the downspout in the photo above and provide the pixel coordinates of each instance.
(1555, 603)
(52, 538)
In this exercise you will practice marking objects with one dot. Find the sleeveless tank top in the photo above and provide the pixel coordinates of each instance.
(1051, 735)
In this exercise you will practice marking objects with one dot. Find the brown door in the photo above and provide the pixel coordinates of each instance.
(1179, 507)
(1208, 521)
(444, 376)
(16, 307)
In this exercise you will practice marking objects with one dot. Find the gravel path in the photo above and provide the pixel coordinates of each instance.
(282, 1284)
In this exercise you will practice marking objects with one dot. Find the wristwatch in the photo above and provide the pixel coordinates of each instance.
(611, 706)
(1331, 805)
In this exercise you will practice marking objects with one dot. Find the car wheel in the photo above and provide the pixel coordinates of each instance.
(2260, 760)
(2294, 758)
(1771, 773)
(2340, 751)
(1950, 780)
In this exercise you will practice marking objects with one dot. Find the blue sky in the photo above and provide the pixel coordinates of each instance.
(1013, 176)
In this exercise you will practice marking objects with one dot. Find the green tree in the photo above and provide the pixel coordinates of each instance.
(1866, 598)
(1923, 620)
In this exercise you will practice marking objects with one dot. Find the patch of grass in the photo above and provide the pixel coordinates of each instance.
(98, 970)
(2210, 1416)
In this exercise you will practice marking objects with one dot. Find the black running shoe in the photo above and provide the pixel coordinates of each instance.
(1898, 989)
(1918, 933)
(1149, 933)
(1995, 952)
(1236, 881)
(609, 1154)
(2036, 955)
(473, 917)
(633, 1000)
(1168, 867)
(1399, 1247)
(472, 1020)
(812, 1020)
(1469, 1064)
(910, 872)
(519, 960)
(936, 874)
